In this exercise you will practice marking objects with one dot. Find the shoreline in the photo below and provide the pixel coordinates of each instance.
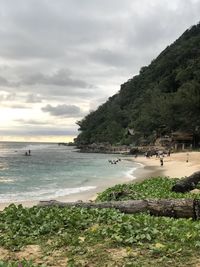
(141, 173)
(174, 166)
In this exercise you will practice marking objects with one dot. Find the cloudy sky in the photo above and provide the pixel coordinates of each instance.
(61, 59)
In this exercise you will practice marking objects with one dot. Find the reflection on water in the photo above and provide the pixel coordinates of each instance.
(4, 166)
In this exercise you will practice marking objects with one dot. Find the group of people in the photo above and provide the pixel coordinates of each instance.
(114, 161)
(28, 153)
(158, 154)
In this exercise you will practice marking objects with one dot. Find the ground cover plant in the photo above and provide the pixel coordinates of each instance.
(159, 187)
(92, 237)
(22, 263)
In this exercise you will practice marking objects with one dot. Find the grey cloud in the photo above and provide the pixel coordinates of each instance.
(79, 51)
(59, 78)
(32, 122)
(11, 97)
(113, 58)
(19, 106)
(34, 98)
(7, 96)
(3, 82)
(41, 29)
(164, 23)
(47, 29)
(57, 92)
(70, 111)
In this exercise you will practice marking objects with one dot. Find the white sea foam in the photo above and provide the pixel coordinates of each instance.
(141, 165)
(42, 194)
(6, 181)
(129, 173)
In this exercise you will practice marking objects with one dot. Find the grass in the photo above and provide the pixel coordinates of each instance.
(83, 237)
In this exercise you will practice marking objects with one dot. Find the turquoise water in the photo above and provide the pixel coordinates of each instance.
(54, 171)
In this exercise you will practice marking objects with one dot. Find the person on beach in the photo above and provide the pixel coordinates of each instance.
(187, 157)
(161, 160)
(29, 152)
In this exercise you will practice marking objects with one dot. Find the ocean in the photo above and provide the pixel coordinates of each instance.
(54, 171)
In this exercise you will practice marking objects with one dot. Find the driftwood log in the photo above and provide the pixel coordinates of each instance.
(176, 208)
(188, 183)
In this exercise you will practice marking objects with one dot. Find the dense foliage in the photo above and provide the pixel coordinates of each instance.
(158, 188)
(164, 97)
(90, 237)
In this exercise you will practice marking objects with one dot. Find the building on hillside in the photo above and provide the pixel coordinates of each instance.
(182, 140)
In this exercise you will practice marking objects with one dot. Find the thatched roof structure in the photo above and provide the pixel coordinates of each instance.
(182, 136)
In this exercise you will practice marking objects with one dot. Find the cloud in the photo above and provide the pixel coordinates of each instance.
(32, 122)
(70, 111)
(77, 53)
(6, 96)
(114, 58)
(18, 106)
(3, 81)
(59, 78)
(32, 98)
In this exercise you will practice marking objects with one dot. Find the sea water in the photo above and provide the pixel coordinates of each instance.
(54, 171)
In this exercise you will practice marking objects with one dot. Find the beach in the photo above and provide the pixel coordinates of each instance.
(175, 166)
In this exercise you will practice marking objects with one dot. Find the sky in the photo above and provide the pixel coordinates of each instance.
(59, 60)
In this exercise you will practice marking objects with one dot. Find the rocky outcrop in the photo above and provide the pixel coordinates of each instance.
(104, 148)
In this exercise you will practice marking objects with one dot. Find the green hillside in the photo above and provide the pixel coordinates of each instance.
(163, 98)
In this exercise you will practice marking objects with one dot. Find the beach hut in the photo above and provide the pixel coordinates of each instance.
(182, 140)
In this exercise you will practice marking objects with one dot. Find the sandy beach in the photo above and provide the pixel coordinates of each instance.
(175, 166)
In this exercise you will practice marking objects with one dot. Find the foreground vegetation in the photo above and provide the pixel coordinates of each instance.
(79, 237)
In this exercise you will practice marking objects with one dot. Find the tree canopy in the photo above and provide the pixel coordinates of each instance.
(163, 98)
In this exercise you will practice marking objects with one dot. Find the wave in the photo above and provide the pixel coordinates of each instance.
(42, 194)
(140, 164)
(130, 172)
(6, 181)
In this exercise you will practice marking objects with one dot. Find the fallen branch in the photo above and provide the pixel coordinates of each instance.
(176, 208)
(188, 183)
